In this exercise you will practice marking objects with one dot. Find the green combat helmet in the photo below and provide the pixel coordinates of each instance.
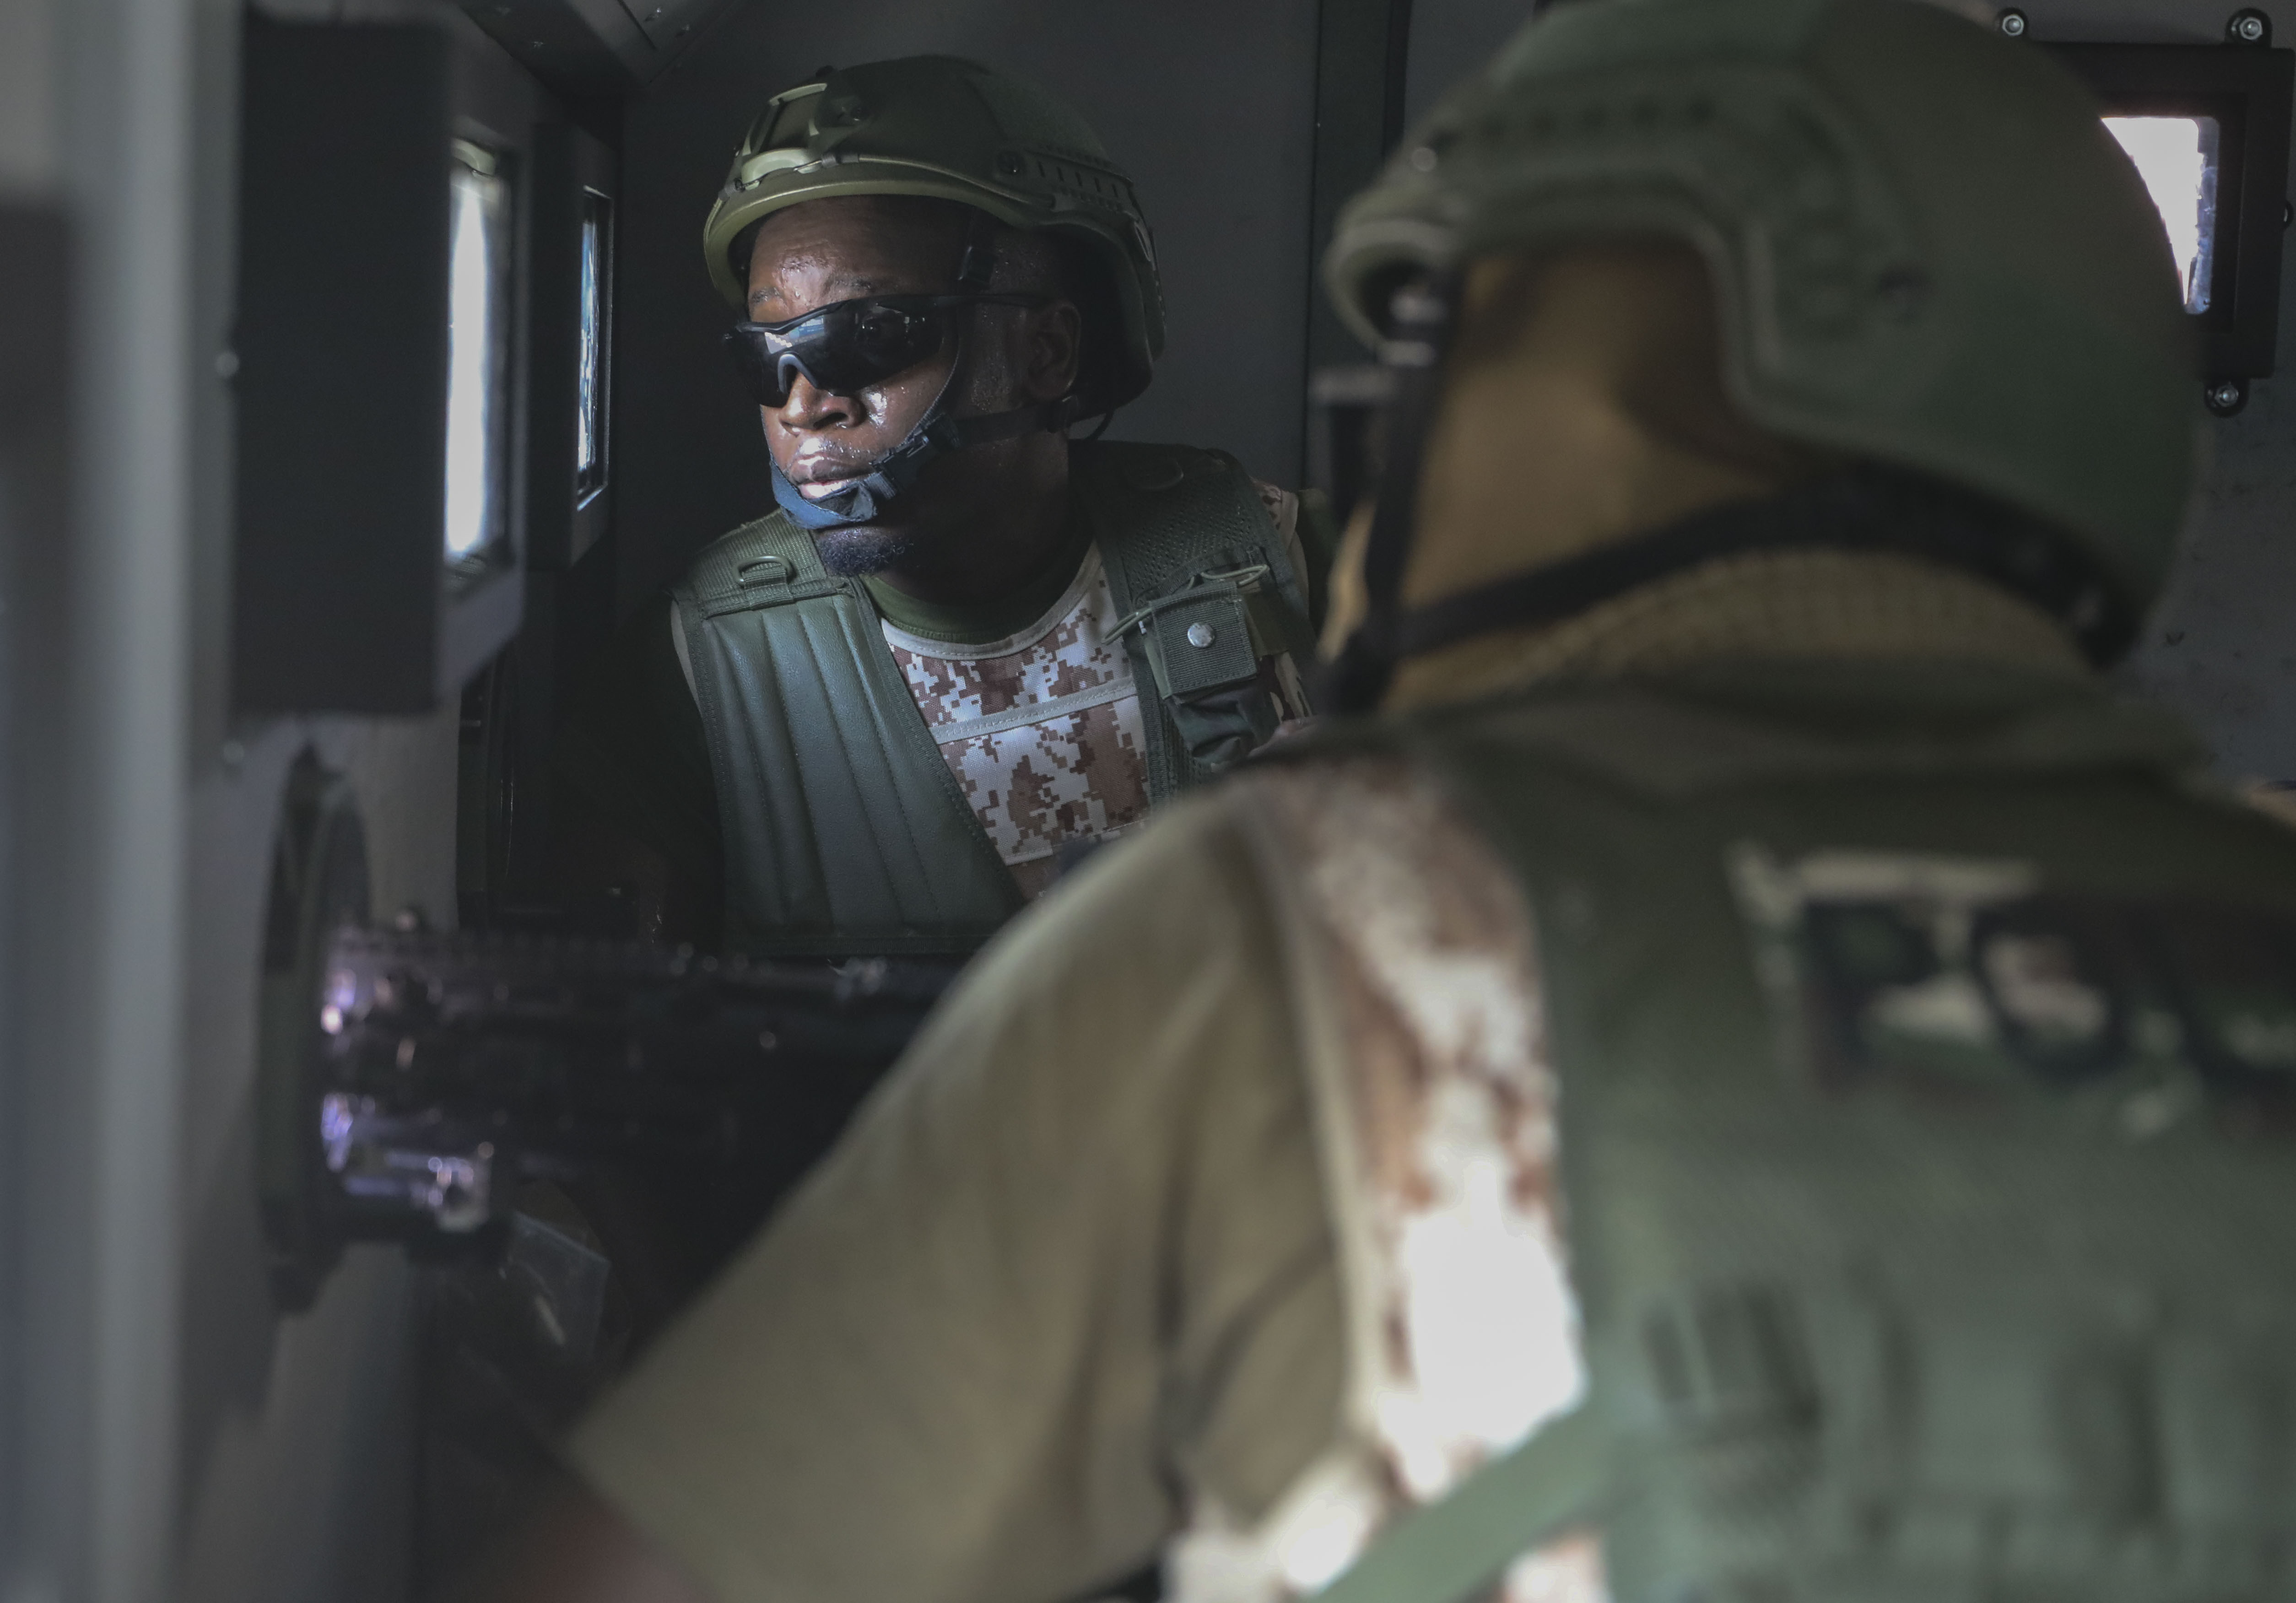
(953, 130)
(1928, 252)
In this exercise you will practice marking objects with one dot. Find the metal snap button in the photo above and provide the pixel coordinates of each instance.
(1200, 634)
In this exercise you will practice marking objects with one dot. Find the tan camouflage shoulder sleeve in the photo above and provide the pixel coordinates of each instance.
(1072, 1258)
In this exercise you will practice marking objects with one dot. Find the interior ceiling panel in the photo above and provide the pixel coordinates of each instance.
(2128, 21)
(595, 46)
(1209, 105)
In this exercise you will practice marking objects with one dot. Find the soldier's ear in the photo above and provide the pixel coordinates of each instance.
(1055, 350)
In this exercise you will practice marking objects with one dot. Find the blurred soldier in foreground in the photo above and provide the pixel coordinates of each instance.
(1752, 1078)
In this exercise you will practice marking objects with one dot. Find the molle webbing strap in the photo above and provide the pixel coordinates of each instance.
(1887, 1299)
(1166, 517)
(845, 831)
(1454, 1549)
(1861, 509)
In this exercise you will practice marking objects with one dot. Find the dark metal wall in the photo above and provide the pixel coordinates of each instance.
(1208, 104)
(43, 1314)
(2218, 649)
(1451, 38)
(1362, 47)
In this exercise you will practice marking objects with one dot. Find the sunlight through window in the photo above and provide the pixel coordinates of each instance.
(2176, 158)
(598, 291)
(478, 337)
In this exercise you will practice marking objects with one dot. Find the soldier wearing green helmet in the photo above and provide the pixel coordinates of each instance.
(1744, 1073)
(963, 649)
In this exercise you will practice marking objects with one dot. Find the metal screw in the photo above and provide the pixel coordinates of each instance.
(2012, 22)
(2226, 396)
(1200, 634)
(2249, 27)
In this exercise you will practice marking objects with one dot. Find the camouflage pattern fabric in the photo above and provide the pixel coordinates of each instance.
(1415, 976)
(1080, 771)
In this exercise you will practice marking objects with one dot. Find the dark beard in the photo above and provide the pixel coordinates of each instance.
(858, 548)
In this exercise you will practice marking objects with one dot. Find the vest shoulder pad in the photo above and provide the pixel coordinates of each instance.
(768, 563)
(1169, 510)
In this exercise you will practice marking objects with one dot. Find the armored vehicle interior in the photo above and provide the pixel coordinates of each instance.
(296, 587)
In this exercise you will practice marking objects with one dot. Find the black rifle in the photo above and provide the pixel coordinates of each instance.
(433, 1076)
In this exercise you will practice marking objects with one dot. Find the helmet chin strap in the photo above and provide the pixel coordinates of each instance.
(1354, 681)
(1864, 507)
(936, 433)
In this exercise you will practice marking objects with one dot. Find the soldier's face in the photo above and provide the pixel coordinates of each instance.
(973, 517)
(814, 255)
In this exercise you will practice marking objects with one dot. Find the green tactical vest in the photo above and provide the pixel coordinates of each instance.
(845, 832)
(1927, 1049)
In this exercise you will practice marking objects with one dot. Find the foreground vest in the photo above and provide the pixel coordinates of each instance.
(1922, 1050)
(844, 830)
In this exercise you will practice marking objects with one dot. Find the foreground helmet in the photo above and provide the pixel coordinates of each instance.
(1927, 251)
(955, 130)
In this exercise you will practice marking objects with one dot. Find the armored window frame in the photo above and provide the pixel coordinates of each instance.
(2247, 91)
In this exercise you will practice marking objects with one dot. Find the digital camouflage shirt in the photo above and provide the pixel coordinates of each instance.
(1043, 726)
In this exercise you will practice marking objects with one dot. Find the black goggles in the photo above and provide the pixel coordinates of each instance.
(850, 345)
